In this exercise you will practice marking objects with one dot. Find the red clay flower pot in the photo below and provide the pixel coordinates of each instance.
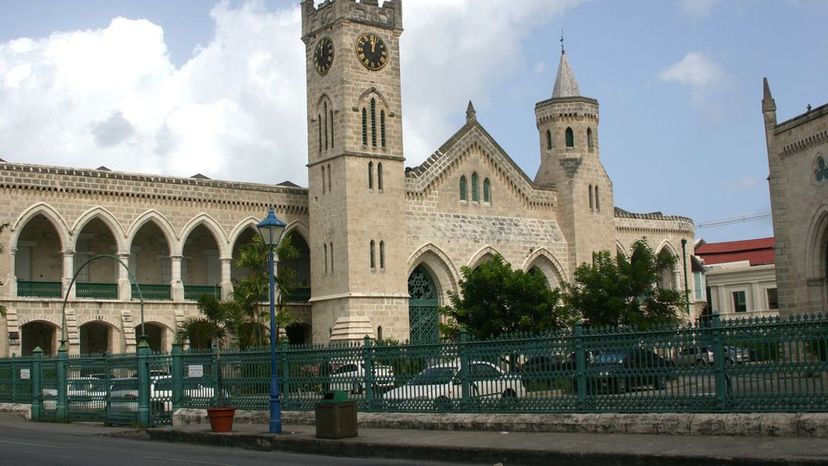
(221, 419)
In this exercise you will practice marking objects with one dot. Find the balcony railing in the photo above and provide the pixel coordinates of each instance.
(193, 292)
(153, 292)
(30, 289)
(298, 295)
(96, 290)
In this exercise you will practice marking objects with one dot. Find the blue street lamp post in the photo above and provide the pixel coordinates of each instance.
(271, 230)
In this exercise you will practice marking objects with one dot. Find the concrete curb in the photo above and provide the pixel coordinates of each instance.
(367, 449)
(739, 424)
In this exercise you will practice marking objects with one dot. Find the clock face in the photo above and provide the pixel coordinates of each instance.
(371, 51)
(324, 55)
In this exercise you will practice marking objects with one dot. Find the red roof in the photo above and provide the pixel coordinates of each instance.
(758, 251)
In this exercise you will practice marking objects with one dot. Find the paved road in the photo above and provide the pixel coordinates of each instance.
(24, 443)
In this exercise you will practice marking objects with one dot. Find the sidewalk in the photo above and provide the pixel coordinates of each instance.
(511, 448)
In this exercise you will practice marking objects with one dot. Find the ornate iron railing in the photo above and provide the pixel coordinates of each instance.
(760, 365)
(153, 292)
(96, 290)
(32, 289)
(193, 292)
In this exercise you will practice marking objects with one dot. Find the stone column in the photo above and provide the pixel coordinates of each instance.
(124, 285)
(176, 286)
(757, 298)
(68, 272)
(226, 274)
(12, 280)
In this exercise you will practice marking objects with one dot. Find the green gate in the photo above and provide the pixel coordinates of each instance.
(423, 306)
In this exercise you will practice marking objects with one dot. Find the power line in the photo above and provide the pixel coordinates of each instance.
(731, 221)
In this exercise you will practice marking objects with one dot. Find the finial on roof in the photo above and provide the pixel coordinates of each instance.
(768, 104)
(471, 114)
(563, 51)
(565, 83)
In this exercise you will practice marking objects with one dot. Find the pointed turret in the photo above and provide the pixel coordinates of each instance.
(768, 104)
(565, 83)
(471, 114)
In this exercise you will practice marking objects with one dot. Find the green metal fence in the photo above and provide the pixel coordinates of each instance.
(764, 365)
(153, 292)
(39, 289)
(193, 292)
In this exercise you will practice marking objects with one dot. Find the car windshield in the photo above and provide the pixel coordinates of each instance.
(434, 376)
(614, 357)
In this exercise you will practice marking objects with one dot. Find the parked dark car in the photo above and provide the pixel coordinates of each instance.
(619, 371)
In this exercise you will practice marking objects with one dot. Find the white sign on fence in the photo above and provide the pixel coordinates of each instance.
(25, 374)
(195, 371)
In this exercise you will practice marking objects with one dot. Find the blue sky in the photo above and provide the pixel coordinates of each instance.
(195, 86)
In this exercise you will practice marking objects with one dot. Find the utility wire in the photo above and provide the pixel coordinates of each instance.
(731, 221)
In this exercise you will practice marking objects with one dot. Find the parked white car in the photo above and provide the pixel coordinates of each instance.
(350, 376)
(123, 396)
(436, 386)
(82, 393)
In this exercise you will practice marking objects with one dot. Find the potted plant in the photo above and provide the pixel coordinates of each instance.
(208, 332)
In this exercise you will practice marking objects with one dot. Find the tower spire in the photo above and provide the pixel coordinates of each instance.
(563, 50)
(768, 104)
(565, 83)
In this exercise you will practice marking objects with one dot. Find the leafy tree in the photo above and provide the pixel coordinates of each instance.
(624, 292)
(494, 299)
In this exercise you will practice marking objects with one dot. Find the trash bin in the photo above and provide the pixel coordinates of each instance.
(336, 417)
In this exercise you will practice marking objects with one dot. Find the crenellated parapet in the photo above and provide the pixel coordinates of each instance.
(365, 11)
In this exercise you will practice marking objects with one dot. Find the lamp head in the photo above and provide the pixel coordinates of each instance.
(271, 229)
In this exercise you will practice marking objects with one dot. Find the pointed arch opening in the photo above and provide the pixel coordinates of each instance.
(570, 138)
(463, 189)
(38, 264)
(548, 139)
(295, 271)
(150, 263)
(99, 279)
(372, 260)
(40, 334)
(474, 188)
(589, 139)
(423, 306)
(487, 191)
(379, 176)
(245, 238)
(200, 266)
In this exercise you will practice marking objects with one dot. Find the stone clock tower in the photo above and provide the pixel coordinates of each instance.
(355, 169)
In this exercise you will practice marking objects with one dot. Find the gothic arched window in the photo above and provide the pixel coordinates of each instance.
(319, 124)
(364, 127)
(591, 201)
(379, 176)
(373, 262)
(475, 194)
(325, 247)
(382, 254)
(370, 175)
(374, 122)
(570, 138)
(463, 190)
(549, 139)
(597, 200)
(382, 128)
(487, 191)
(323, 179)
(332, 128)
(325, 113)
(589, 139)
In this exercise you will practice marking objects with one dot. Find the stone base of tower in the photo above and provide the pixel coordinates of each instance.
(350, 319)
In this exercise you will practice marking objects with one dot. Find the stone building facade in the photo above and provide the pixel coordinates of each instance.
(798, 180)
(381, 244)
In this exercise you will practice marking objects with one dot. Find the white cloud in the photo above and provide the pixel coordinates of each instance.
(697, 8)
(236, 109)
(695, 70)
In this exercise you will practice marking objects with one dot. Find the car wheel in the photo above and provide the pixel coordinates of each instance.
(356, 388)
(442, 404)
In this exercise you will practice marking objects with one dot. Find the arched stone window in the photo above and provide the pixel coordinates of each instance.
(597, 200)
(332, 127)
(382, 128)
(364, 127)
(325, 113)
(319, 124)
(591, 201)
(487, 191)
(463, 190)
(570, 138)
(821, 171)
(325, 247)
(382, 254)
(373, 260)
(474, 191)
(330, 186)
(548, 139)
(370, 175)
(589, 139)
(373, 122)
(332, 256)
(379, 176)
(323, 179)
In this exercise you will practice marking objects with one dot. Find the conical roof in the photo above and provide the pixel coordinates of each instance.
(565, 83)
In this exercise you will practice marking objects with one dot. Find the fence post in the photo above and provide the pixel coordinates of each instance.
(143, 382)
(13, 380)
(719, 364)
(367, 360)
(177, 376)
(580, 365)
(37, 384)
(63, 360)
(465, 385)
